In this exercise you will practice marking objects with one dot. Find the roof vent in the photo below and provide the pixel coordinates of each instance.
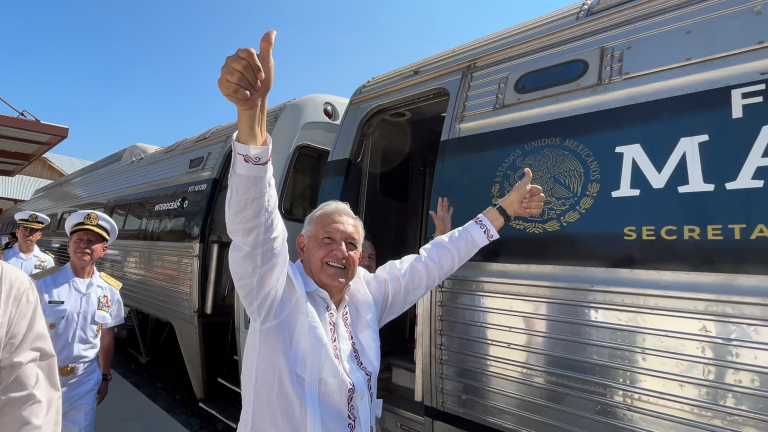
(137, 152)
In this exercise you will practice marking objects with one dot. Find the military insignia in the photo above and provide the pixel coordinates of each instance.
(51, 326)
(47, 253)
(43, 259)
(39, 275)
(41, 265)
(32, 217)
(105, 304)
(91, 219)
(114, 283)
(98, 330)
(567, 172)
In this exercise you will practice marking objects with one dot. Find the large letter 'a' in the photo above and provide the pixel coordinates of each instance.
(687, 146)
(754, 161)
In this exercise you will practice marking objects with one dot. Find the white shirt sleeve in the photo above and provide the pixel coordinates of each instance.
(258, 256)
(398, 285)
(30, 392)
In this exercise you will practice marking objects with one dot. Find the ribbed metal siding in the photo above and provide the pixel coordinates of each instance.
(556, 349)
(155, 275)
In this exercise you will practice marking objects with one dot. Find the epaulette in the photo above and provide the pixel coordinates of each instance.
(39, 275)
(110, 280)
(48, 253)
(6, 247)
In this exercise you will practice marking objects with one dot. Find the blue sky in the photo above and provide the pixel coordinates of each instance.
(118, 73)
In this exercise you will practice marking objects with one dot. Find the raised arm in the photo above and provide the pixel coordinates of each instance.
(397, 285)
(258, 257)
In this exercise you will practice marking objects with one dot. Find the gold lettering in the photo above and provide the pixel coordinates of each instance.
(648, 233)
(737, 230)
(691, 231)
(760, 231)
(714, 233)
(630, 233)
(664, 232)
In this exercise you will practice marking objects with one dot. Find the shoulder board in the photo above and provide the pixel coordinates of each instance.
(6, 247)
(39, 275)
(48, 253)
(111, 281)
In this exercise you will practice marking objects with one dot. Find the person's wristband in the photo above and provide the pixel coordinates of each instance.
(503, 212)
(106, 377)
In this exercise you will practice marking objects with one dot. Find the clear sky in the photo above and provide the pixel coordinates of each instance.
(118, 73)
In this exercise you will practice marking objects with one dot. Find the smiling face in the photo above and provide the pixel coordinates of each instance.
(368, 259)
(331, 252)
(85, 247)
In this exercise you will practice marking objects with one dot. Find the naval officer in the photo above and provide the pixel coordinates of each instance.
(81, 307)
(25, 254)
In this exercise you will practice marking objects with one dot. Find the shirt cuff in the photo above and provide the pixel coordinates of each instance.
(251, 160)
(482, 230)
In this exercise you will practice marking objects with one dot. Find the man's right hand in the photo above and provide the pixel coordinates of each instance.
(246, 79)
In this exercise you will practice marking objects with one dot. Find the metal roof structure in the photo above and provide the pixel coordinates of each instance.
(66, 163)
(20, 187)
(22, 141)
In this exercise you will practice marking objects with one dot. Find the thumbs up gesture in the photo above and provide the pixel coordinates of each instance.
(247, 76)
(525, 199)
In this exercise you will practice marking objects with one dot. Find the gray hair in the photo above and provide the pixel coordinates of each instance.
(332, 207)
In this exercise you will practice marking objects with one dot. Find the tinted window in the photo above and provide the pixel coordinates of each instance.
(303, 185)
(62, 221)
(552, 76)
(118, 215)
(134, 216)
(50, 226)
(196, 162)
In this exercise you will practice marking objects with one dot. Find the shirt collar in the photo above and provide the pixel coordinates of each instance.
(309, 284)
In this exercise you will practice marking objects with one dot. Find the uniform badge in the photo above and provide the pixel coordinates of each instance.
(32, 217)
(105, 304)
(91, 219)
(52, 326)
(98, 330)
(41, 264)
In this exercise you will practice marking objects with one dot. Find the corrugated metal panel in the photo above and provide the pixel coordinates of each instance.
(66, 163)
(550, 348)
(154, 274)
(20, 187)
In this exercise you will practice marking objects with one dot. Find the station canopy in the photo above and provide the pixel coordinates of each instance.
(22, 141)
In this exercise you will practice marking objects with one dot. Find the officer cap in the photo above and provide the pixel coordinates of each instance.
(31, 219)
(92, 220)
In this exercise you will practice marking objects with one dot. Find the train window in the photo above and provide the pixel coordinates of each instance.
(302, 187)
(196, 162)
(50, 226)
(63, 220)
(135, 216)
(118, 215)
(552, 76)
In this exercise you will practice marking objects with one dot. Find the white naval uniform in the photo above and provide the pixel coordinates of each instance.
(309, 366)
(73, 309)
(32, 263)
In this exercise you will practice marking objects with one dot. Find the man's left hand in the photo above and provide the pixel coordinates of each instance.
(525, 199)
(101, 394)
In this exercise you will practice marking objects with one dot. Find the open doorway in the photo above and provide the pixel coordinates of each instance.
(398, 169)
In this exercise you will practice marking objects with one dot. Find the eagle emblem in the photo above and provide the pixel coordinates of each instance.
(32, 217)
(91, 219)
(564, 177)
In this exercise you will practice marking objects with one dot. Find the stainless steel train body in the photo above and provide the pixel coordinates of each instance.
(638, 301)
(169, 203)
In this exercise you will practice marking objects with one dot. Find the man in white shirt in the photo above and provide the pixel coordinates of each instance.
(25, 254)
(30, 394)
(81, 307)
(312, 356)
